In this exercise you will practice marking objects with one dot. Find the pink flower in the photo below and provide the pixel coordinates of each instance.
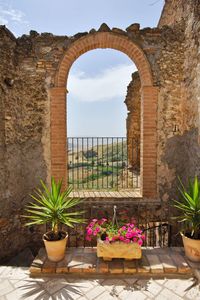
(98, 229)
(89, 231)
(127, 241)
(94, 220)
(122, 238)
(88, 238)
(102, 221)
(129, 235)
(140, 242)
(143, 237)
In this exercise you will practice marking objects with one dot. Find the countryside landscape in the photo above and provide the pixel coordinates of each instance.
(100, 163)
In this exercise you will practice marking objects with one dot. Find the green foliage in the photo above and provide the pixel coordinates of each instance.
(53, 206)
(189, 206)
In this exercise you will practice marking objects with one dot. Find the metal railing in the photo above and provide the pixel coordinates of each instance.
(151, 217)
(109, 163)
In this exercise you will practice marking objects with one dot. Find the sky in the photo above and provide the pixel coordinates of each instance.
(98, 79)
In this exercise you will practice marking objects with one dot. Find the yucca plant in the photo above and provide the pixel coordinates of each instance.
(189, 207)
(51, 206)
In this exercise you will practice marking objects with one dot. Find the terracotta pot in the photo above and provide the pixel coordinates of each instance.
(192, 248)
(56, 249)
(118, 250)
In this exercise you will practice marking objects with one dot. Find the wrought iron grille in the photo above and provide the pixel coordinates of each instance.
(109, 163)
(152, 217)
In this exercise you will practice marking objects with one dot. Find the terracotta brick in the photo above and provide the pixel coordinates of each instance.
(116, 266)
(169, 265)
(49, 266)
(181, 263)
(130, 266)
(143, 265)
(102, 266)
(75, 265)
(36, 266)
(62, 266)
(155, 263)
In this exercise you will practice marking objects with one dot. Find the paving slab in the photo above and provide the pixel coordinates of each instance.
(69, 286)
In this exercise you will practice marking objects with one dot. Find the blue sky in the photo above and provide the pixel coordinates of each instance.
(98, 79)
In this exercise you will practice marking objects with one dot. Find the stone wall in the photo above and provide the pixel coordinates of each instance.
(24, 104)
(133, 103)
(180, 98)
(28, 69)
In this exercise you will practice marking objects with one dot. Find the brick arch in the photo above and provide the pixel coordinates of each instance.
(105, 40)
(148, 107)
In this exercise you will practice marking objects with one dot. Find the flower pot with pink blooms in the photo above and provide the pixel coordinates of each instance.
(116, 239)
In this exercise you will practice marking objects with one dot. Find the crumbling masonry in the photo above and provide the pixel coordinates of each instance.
(33, 79)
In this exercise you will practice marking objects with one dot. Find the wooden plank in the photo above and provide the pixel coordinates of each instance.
(155, 263)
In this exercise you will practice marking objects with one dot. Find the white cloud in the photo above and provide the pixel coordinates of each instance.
(3, 21)
(110, 84)
(10, 15)
(14, 15)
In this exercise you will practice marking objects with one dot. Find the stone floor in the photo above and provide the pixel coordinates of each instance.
(154, 261)
(16, 284)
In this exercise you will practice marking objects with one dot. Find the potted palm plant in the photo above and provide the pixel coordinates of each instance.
(52, 206)
(189, 208)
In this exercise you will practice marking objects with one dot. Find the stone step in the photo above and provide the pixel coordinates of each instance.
(154, 261)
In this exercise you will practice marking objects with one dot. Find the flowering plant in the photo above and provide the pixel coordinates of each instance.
(109, 231)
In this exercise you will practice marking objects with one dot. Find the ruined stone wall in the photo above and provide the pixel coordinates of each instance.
(133, 103)
(27, 73)
(180, 98)
(24, 103)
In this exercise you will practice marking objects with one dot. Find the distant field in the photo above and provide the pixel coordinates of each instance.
(99, 167)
